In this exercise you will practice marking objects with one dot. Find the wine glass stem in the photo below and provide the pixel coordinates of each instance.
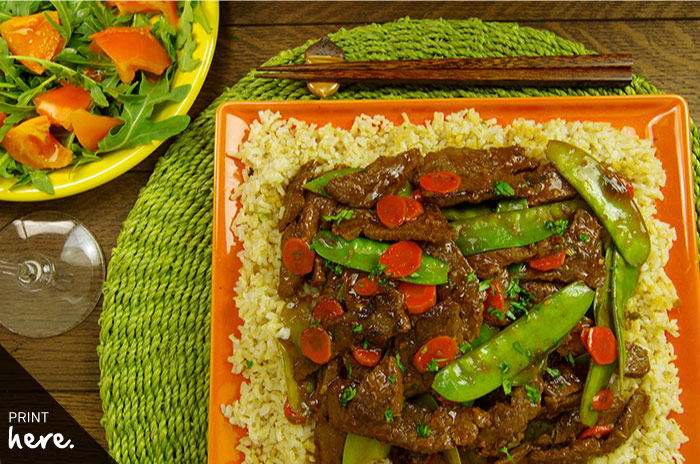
(34, 273)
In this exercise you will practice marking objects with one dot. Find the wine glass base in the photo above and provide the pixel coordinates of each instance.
(60, 270)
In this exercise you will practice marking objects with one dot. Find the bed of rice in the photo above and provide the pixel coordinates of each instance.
(275, 150)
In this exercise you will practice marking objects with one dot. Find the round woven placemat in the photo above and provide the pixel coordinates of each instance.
(154, 339)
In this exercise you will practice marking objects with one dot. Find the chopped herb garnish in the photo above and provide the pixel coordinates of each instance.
(377, 270)
(315, 323)
(504, 450)
(357, 328)
(348, 366)
(464, 347)
(507, 386)
(341, 216)
(348, 394)
(585, 238)
(558, 227)
(402, 368)
(248, 364)
(335, 268)
(495, 313)
(389, 415)
(518, 348)
(510, 315)
(570, 358)
(504, 367)
(422, 430)
(258, 214)
(392, 379)
(471, 277)
(424, 350)
(532, 393)
(553, 373)
(484, 285)
(503, 189)
(432, 366)
(364, 344)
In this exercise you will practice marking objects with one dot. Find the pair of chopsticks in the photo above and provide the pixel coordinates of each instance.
(520, 71)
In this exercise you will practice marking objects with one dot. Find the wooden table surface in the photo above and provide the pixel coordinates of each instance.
(662, 36)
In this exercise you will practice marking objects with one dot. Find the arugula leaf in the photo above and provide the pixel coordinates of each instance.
(137, 127)
(201, 18)
(187, 63)
(41, 180)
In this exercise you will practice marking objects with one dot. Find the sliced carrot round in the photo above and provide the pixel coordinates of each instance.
(366, 286)
(494, 296)
(413, 209)
(602, 400)
(418, 298)
(440, 182)
(549, 262)
(600, 343)
(441, 349)
(327, 310)
(417, 195)
(367, 356)
(391, 210)
(316, 345)
(597, 431)
(297, 256)
(402, 259)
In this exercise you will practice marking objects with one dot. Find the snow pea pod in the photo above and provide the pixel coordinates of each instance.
(599, 376)
(318, 184)
(514, 348)
(512, 228)
(361, 450)
(465, 212)
(363, 254)
(624, 283)
(613, 204)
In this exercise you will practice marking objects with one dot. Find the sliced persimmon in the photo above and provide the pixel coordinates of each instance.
(32, 144)
(33, 36)
(91, 128)
(59, 103)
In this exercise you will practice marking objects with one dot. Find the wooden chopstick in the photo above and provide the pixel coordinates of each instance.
(578, 70)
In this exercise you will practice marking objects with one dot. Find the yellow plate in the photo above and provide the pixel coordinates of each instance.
(114, 164)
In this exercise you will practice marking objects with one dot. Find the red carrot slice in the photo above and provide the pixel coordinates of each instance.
(366, 287)
(327, 310)
(417, 195)
(402, 259)
(418, 298)
(413, 209)
(297, 256)
(598, 431)
(367, 356)
(440, 182)
(547, 263)
(602, 400)
(391, 210)
(291, 415)
(600, 343)
(436, 353)
(316, 345)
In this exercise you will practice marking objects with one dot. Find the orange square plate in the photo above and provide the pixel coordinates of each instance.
(661, 118)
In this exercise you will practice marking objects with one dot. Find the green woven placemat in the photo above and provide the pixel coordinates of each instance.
(154, 339)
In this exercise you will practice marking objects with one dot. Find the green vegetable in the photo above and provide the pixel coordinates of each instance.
(362, 450)
(511, 205)
(486, 333)
(624, 283)
(465, 212)
(477, 373)
(406, 190)
(503, 189)
(599, 376)
(510, 229)
(293, 396)
(318, 184)
(616, 210)
(363, 254)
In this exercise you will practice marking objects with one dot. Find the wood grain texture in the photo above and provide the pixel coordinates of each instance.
(662, 37)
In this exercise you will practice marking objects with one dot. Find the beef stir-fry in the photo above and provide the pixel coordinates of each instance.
(466, 306)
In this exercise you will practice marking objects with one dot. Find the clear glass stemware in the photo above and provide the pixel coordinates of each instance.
(51, 274)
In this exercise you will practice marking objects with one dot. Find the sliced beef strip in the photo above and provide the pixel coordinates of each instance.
(442, 319)
(377, 393)
(480, 169)
(384, 176)
(580, 451)
(302, 367)
(329, 441)
(415, 382)
(515, 455)
(309, 220)
(431, 226)
(491, 263)
(540, 290)
(508, 422)
(318, 275)
(637, 361)
(461, 287)
(403, 456)
(567, 428)
(325, 205)
(563, 392)
(294, 199)
(449, 426)
(290, 283)
(584, 259)
(572, 344)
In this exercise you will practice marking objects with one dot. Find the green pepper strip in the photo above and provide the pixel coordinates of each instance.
(363, 254)
(618, 212)
(478, 372)
(406, 190)
(624, 283)
(510, 229)
(599, 376)
(360, 450)
(318, 184)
